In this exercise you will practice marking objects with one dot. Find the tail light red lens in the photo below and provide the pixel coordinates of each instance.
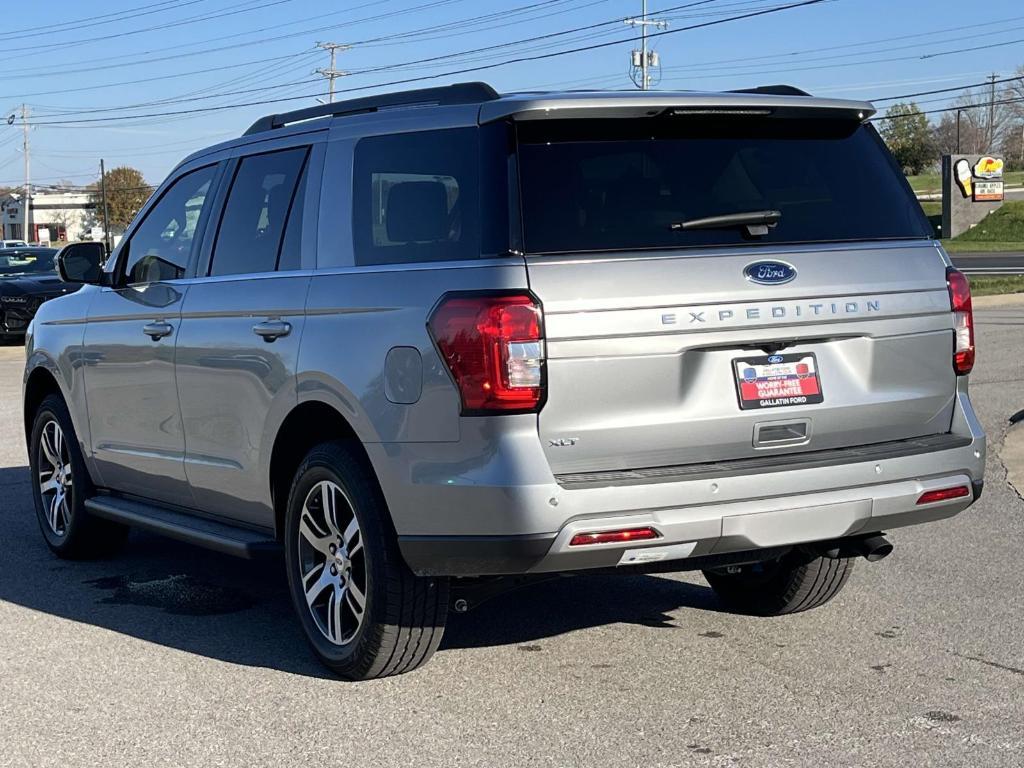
(944, 494)
(614, 537)
(494, 348)
(963, 317)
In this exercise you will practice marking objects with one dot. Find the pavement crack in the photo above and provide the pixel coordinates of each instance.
(994, 664)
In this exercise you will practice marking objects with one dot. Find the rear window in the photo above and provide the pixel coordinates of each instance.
(595, 185)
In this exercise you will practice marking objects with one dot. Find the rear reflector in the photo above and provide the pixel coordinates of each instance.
(944, 494)
(614, 537)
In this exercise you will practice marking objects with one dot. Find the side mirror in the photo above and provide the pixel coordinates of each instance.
(81, 263)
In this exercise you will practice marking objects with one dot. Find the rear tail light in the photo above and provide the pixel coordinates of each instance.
(494, 348)
(963, 318)
(614, 537)
(944, 494)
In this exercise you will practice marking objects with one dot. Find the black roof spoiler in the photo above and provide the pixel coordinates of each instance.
(774, 90)
(459, 93)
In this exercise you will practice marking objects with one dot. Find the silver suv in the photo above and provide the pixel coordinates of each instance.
(423, 340)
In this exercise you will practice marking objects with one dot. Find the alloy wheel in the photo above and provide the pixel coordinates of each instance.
(332, 563)
(55, 477)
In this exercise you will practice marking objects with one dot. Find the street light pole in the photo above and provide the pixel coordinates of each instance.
(28, 183)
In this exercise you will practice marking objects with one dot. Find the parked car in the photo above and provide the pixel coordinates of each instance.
(27, 278)
(425, 340)
(13, 244)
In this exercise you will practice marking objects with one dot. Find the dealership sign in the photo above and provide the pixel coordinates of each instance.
(989, 168)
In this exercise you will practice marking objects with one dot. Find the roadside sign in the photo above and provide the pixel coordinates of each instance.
(988, 191)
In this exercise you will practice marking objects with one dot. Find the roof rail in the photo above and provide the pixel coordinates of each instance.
(774, 90)
(459, 93)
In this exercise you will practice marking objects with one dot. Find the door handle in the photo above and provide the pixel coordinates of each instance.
(269, 330)
(157, 331)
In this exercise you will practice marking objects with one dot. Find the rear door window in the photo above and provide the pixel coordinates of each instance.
(256, 219)
(594, 185)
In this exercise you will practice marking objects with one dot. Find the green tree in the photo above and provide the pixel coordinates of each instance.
(909, 137)
(127, 192)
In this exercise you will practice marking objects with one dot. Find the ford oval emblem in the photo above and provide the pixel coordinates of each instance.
(770, 272)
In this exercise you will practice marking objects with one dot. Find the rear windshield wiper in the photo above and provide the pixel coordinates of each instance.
(757, 223)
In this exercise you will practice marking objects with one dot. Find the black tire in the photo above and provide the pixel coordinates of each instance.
(797, 581)
(404, 615)
(79, 535)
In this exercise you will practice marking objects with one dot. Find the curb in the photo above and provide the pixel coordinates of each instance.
(999, 301)
(1011, 454)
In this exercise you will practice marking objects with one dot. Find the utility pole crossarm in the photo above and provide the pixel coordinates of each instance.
(332, 73)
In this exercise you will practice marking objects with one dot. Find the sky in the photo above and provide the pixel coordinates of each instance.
(100, 85)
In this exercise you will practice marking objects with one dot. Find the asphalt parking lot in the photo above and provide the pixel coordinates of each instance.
(170, 655)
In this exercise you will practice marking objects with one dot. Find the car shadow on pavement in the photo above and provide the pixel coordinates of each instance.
(172, 594)
(569, 603)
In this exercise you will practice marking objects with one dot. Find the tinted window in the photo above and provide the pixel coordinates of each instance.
(416, 197)
(19, 262)
(291, 246)
(252, 227)
(608, 185)
(161, 246)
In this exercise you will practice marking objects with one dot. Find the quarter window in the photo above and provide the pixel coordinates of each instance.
(161, 247)
(417, 197)
(257, 215)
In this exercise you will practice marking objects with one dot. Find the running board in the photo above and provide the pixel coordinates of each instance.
(220, 537)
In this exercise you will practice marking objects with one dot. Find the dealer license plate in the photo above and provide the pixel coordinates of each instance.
(772, 381)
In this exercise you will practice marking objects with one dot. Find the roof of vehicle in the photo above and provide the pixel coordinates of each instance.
(773, 99)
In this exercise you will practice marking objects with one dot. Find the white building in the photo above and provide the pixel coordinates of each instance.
(63, 216)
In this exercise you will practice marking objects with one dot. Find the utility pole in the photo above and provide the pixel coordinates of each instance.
(27, 205)
(106, 210)
(643, 59)
(331, 73)
(992, 112)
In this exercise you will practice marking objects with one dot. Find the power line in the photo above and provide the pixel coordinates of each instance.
(761, 71)
(157, 78)
(948, 90)
(105, 18)
(61, 70)
(961, 108)
(450, 73)
(757, 61)
(467, 22)
(231, 10)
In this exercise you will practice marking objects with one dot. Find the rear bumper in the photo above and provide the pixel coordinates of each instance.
(505, 513)
(692, 532)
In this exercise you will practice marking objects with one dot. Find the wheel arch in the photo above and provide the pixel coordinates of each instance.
(308, 424)
(39, 384)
